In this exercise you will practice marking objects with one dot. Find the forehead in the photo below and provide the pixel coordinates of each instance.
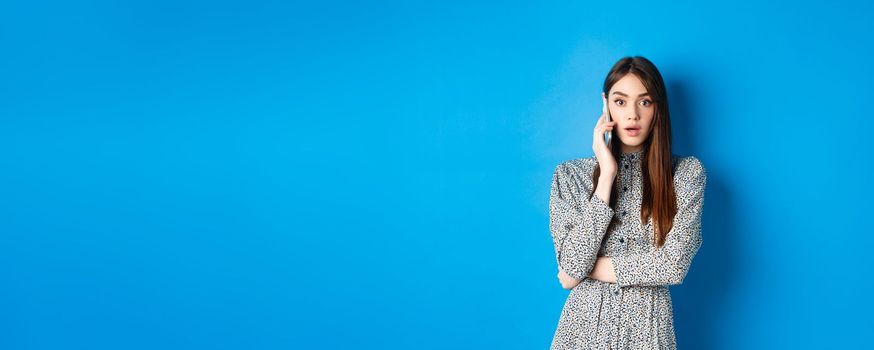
(630, 84)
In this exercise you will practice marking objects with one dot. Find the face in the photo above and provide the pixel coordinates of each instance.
(631, 107)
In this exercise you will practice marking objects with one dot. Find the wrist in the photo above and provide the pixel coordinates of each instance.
(595, 272)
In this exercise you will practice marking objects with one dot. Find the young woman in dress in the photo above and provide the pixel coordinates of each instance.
(626, 222)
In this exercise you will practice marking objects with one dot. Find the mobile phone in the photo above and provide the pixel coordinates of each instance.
(609, 133)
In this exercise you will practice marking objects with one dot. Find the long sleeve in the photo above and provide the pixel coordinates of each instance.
(669, 264)
(578, 224)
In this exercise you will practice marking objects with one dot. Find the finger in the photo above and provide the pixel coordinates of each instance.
(599, 133)
(605, 127)
(606, 124)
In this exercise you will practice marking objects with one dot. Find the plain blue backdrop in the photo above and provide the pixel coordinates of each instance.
(375, 175)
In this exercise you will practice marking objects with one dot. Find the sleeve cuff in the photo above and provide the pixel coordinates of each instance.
(620, 264)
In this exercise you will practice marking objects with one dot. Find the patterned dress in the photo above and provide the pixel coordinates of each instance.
(636, 311)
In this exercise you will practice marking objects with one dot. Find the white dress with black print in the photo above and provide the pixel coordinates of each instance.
(635, 312)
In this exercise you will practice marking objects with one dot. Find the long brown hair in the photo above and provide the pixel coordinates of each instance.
(659, 199)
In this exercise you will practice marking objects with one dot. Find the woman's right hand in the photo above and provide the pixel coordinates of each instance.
(602, 149)
(567, 282)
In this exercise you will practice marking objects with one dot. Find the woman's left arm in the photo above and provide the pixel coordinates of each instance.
(669, 264)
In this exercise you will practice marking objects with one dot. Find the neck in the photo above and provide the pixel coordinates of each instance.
(631, 150)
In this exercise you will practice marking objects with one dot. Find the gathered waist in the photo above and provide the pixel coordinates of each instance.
(589, 285)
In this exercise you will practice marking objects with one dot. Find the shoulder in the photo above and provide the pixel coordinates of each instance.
(687, 164)
(577, 173)
(579, 167)
(689, 172)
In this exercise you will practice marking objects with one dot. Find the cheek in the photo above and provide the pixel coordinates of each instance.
(647, 118)
(645, 113)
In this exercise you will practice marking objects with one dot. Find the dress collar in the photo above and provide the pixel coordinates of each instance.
(632, 157)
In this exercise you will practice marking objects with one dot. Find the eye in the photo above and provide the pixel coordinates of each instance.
(619, 101)
(646, 102)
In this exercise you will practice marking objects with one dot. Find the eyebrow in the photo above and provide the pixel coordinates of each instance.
(623, 94)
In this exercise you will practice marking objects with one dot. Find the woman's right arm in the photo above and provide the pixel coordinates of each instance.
(577, 223)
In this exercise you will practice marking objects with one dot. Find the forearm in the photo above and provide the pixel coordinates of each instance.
(579, 251)
(578, 222)
(605, 186)
(603, 189)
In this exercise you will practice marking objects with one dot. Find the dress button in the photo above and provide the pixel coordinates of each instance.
(623, 213)
(625, 188)
(616, 292)
(626, 166)
(569, 227)
(621, 240)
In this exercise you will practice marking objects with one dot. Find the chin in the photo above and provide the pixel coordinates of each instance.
(633, 141)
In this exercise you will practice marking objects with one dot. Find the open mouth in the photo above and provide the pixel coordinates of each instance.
(632, 131)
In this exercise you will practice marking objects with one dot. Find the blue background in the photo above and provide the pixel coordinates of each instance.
(334, 175)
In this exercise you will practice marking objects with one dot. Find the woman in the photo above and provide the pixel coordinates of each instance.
(626, 222)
